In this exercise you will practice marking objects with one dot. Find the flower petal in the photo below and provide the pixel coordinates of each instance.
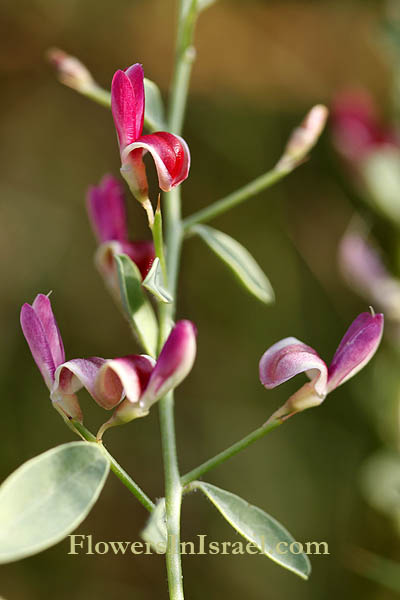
(136, 77)
(174, 363)
(75, 374)
(42, 307)
(106, 208)
(357, 347)
(127, 104)
(170, 154)
(42, 334)
(128, 373)
(38, 344)
(288, 358)
(133, 373)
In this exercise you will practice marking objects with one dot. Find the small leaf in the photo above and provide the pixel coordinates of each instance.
(48, 497)
(154, 109)
(239, 261)
(153, 283)
(155, 532)
(257, 527)
(136, 305)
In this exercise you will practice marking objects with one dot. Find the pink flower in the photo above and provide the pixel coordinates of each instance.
(357, 128)
(289, 357)
(106, 209)
(130, 384)
(62, 378)
(170, 152)
(146, 381)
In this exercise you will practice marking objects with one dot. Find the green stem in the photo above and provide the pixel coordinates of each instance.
(173, 497)
(251, 189)
(184, 58)
(173, 488)
(173, 237)
(97, 94)
(231, 451)
(115, 467)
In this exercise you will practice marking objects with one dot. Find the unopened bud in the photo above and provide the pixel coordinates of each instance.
(71, 71)
(304, 138)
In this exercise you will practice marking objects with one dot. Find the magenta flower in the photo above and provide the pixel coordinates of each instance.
(146, 381)
(356, 126)
(130, 384)
(170, 152)
(62, 378)
(106, 209)
(289, 357)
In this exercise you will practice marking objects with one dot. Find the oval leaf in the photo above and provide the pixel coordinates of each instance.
(137, 307)
(48, 497)
(153, 283)
(239, 260)
(257, 527)
(154, 109)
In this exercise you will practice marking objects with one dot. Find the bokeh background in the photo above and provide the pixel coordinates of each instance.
(260, 66)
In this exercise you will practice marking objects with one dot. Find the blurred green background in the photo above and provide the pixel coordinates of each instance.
(260, 66)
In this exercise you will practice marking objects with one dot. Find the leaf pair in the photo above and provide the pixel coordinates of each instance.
(259, 529)
(49, 496)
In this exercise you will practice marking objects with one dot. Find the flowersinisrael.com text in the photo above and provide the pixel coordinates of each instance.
(84, 544)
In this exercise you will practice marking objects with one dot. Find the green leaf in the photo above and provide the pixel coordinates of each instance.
(257, 527)
(137, 307)
(155, 532)
(48, 497)
(239, 261)
(381, 175)
(154, 109)
(153, 283)
(380, 483)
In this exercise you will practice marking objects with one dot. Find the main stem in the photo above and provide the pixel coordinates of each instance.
(173, 487)
(173, 240)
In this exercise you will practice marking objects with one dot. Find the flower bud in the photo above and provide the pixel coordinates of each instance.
(304, 138)
(71, 71)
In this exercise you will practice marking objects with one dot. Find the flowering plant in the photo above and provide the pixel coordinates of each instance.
(142, 277)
